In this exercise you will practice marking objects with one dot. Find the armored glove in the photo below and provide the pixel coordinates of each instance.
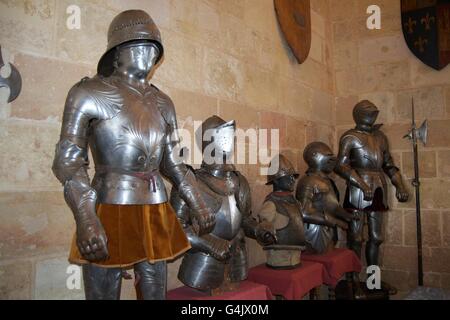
(343, 214)
(336, 222)
(368, 193)
(203, 220)
(401, 193)
(216, 247)
(265, 234)
(91, 239)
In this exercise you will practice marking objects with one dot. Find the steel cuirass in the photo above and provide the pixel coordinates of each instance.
(128, 149)
(228, 196)
(291, 233)
(368, 156)
(317, 192)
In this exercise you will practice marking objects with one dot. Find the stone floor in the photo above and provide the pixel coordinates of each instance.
(426, 293)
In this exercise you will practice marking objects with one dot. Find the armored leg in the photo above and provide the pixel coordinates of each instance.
(151, 280)
(375, 224)
(102, 283)
(355, 233)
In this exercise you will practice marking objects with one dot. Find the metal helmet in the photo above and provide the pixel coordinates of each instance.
(319, 155)
(217, 135)
(365, 113)
(285, 168)
(129, 26)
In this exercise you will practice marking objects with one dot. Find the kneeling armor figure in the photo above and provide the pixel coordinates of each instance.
(217, 261)
(318, 196)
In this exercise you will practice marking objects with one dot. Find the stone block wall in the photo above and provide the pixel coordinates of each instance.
(227, 58)
(377, 65)
(221, 57)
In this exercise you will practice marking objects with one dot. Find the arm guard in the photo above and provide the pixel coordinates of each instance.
(177, 172)
(261, 232)
(244, 202)
(305, 194)
(389, 166)
(206, 243)
(71, 159)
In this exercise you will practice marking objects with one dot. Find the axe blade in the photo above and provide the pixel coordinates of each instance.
(422, 133)
(13, 82)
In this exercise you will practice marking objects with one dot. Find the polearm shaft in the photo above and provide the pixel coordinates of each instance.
(416, 184)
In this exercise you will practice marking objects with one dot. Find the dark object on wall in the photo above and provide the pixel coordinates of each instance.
(415, 135)
(346, 290)
(426, 28)
(294, 17)
(13, 82)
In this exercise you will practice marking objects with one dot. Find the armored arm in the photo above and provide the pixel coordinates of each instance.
(305, 195)
(177, 172)
(207, 243)
(70, 168)
(344, 169)
(262, 232)
(393, 173)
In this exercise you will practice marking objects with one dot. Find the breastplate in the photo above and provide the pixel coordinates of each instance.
(368, 153)
(293, 233)
(326, 200)
(127, 151)
(228, 219)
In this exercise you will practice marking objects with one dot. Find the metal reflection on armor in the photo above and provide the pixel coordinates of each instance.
(218, 260)
(319, 198)
(130, 127)
(364, 159)
(282, 212)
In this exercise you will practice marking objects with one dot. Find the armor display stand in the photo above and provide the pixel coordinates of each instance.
(290, 284)
(336, 264)
(248, 290)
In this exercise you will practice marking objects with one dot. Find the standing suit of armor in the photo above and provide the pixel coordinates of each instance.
(130, 127)
(283, 214)
(319, 197)
(364, 159)
(220, 257)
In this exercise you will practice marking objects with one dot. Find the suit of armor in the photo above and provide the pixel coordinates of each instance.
(319, 197)
(130, 127)
(220, 257)
(364, 159)
(283, 214)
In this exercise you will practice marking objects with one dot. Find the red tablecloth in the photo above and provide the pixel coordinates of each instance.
(336, 263)
(292, 284)
(247, 291)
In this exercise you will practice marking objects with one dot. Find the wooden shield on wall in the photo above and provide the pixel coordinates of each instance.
(294, 17)
(426, 28)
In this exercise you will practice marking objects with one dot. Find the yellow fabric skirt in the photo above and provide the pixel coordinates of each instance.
(137, 233)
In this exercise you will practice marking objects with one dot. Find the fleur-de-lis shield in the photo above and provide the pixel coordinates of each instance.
(426, 28)
(294, 17)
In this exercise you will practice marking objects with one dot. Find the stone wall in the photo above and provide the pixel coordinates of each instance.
(222, 57)
(377, 65)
